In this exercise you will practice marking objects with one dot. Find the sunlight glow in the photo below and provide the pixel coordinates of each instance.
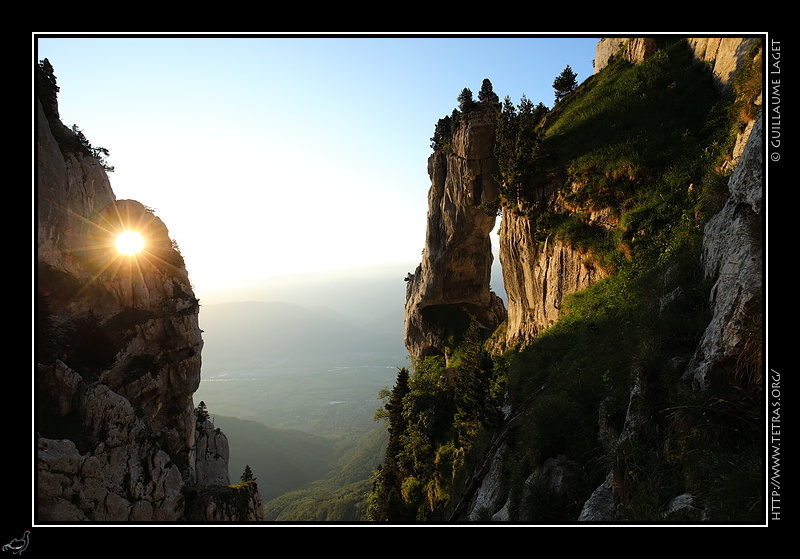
(129, 242)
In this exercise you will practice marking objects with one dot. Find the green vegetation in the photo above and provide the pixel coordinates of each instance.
(446, 126)
(47, 90)
(645, 145)
(565, 83)
(434, 417)
(247, 474)
(341, 493)
(486, 93)
(614, 336)
(443, 132)
(47, 87)
(518, 146)
(99, 153)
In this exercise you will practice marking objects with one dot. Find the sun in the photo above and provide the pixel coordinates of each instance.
(129, 242)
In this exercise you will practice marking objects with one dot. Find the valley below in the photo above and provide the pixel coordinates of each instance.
(327, 402)
(295, 390)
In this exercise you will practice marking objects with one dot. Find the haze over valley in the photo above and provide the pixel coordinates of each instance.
(295, 386)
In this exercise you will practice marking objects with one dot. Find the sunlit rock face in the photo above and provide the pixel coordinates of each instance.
(118, 349)
(540, 272)
(538, 276)
(733, 257)
(452, 284)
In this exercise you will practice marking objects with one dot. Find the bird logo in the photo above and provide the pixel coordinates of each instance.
(18, 545)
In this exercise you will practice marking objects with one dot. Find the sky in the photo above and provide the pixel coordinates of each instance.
(273, 157)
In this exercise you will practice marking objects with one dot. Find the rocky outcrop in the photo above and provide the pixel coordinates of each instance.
(452, 284)
(733, 258)
(537, 277)
(211, 455)
(118, 348)
(101, 464)
(723, 54)
(225, 503)
(632, 49)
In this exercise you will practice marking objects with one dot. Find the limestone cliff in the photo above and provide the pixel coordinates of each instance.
(452, 284)
(632, 344)
(723, 54)
(118, 348)
(733, 257)
(539, 275)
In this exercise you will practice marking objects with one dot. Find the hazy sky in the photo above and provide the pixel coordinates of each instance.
(273, 156)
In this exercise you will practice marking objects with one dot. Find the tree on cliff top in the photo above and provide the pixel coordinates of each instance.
(465, 100)
(247, 475)
(487, 94)
(49, 73)
(202, 412)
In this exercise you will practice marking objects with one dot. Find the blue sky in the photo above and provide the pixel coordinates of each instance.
(267, 157)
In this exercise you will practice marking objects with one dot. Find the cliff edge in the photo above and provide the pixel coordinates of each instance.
(118, 349)
(451, 286)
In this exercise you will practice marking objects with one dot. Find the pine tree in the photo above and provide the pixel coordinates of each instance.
(49, 73)
(518, 143)
(465, 100)
(202, 412)
(565, 83)
(247, 475)
(442, 134)
(397, 422)
(486, 93)
(386, 502)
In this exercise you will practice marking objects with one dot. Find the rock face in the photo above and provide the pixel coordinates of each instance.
(211, 450)
(452, 284)
(733, 258)
(118, 348)
(723, 54)
(633, 49)
(537, 276)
